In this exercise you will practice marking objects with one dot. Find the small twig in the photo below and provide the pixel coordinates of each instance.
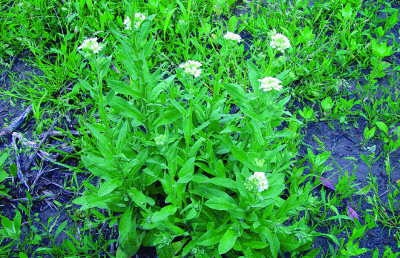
(58, 133)
(42, 154)
(382, 194)
(23, 140)
(114, 67)
(41, 171)
(66, 86)
(18, 161)
(29, 163)
(17, 122)
(20, 199)
(59, 186)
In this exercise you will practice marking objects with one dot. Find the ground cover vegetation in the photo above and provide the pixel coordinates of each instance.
(206, 128)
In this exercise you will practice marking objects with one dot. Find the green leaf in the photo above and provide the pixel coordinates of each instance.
(135, 165)
(123, 88)
(327, 104)
(163, 213)
(3, 158)
(22, 255)
(104, 66)
(222, 204)
(287, 206)
(161, 87)
(364, 190)
(139, 198)
(253, 75)
(13, 169)
(109, 186)
(125, 223)
(382, 126)
(121, 141)
(88, 87)
(91, 200)
(98, 134)
(224, 182)
(211, 237)
(105, 169)
(276, 186)
(177, 246)
(61, 228)
(236, 92)
(195, 147)
(129, 242)
(228, 241)
(312, 254)
(209, 192)
(347, 11)
(166, 21)
(288, 243)
(123, 106)
(255, 244)
(257, 133)
(167, 118)
(17, 221)
(272, 240)
(239, 154)
(3, 175)
(187, 169)
(221, 170)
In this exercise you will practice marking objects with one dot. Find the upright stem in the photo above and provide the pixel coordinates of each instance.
(144, 105)
(102, 110)
(103, 116)
(271, 57)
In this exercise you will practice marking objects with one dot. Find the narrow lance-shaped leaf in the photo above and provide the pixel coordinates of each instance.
(352, 213)
(327, 183)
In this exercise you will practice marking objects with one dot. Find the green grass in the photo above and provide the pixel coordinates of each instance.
(164, 163)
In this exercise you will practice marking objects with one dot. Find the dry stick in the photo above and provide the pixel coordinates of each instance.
(114, 67)
(40, 144)
(21, 199)
(41, 171)
(58, 133)
(17, 122)
(65, 87)
(18, 161)
(42, 154)
(383, 193)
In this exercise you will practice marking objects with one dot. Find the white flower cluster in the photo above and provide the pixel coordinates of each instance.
(139, 18)
(232, 36)
(269, 83)
(279, 41)
(259, 181)
(91, 46)
(191, 67)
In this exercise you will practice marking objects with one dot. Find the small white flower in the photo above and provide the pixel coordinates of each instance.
(232, 36)
(96, 48)
(259, 181)
(269, 83)
(138, 19)
(192, 67)
(127, 23)
(279, 41)
(91, 46)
